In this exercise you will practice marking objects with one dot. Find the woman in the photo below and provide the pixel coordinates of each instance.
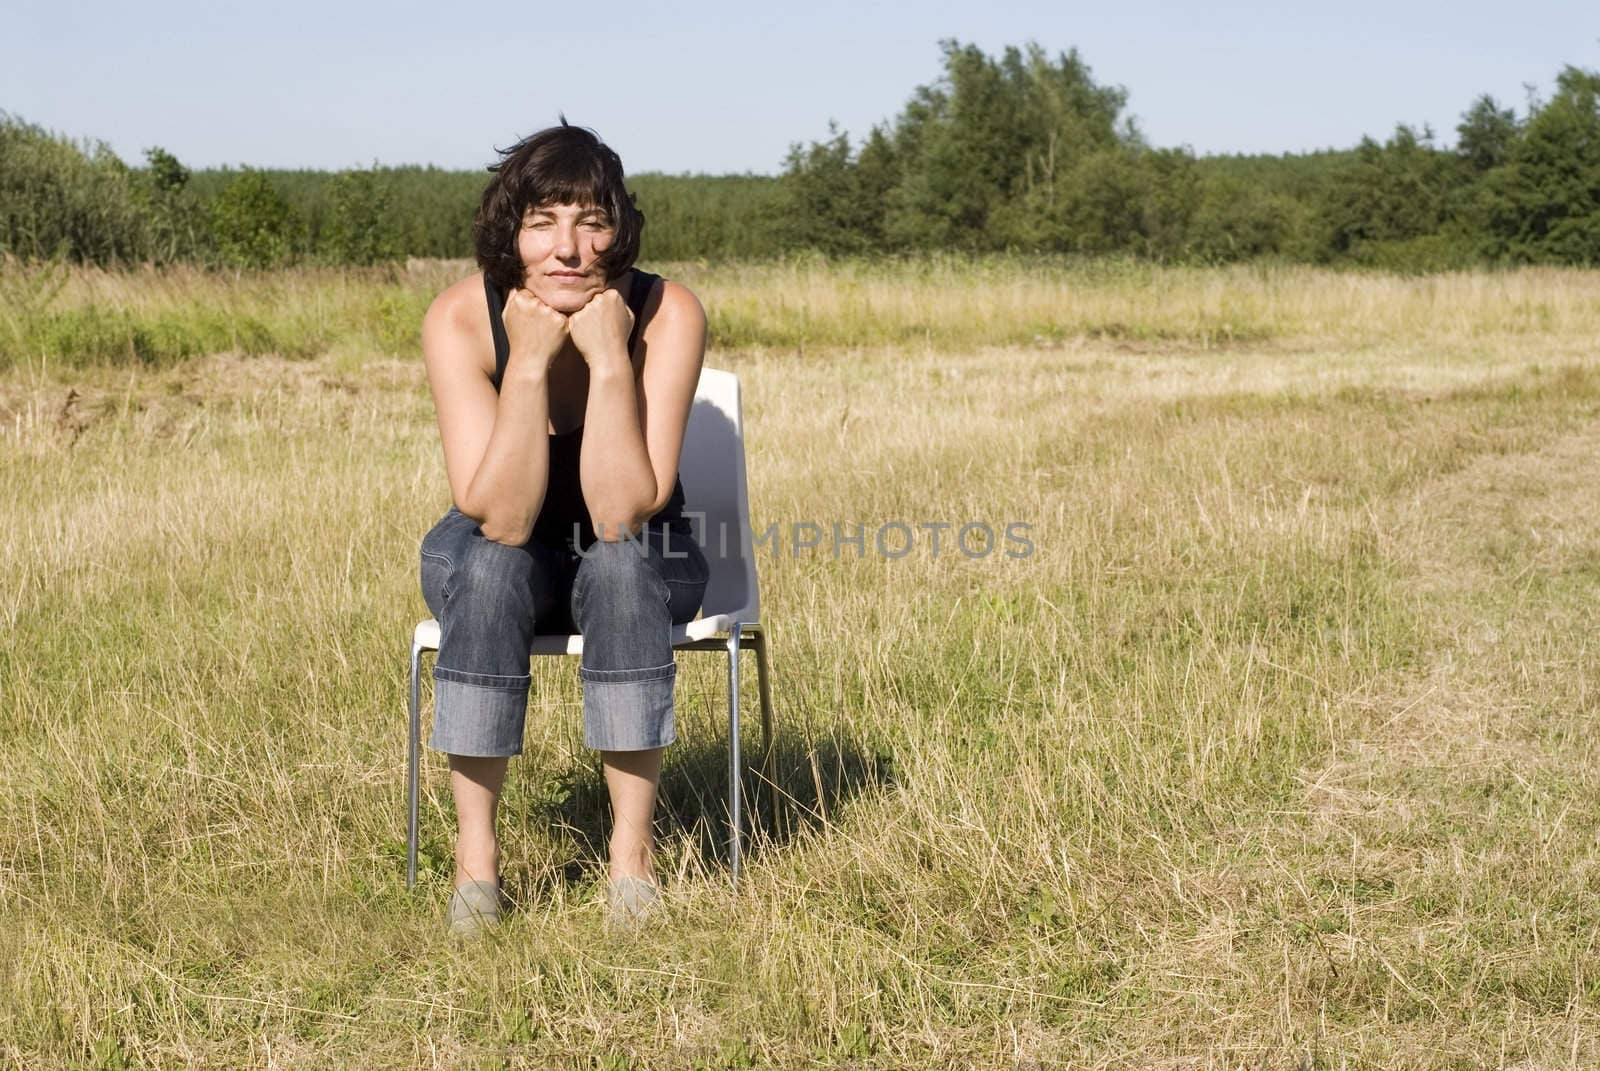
(562, 378)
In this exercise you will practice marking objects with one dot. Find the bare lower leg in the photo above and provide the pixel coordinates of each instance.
(632, 777)
(476, 784)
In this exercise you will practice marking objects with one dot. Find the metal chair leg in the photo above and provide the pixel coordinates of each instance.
(735, 791)
(413, 773)
(760, 642)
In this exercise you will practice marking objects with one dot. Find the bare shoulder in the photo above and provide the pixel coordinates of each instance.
(456, 327)
(673, 309)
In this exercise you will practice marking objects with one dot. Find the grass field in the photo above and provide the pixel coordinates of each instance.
(1279, 750)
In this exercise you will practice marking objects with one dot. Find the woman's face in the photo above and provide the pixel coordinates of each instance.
(560, 247)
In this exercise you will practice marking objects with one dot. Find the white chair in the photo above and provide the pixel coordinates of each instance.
(712, 470)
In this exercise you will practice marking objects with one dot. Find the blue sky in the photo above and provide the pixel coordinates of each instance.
(726, 87)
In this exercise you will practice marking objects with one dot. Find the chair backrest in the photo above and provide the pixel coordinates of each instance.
(712, 470)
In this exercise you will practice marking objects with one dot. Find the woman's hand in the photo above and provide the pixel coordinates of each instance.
(601, 328)
(535, 331)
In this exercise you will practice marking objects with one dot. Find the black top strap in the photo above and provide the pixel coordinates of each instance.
(639, 291)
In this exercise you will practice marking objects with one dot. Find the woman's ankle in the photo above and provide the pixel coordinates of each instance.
(477, 859)
(632, 858)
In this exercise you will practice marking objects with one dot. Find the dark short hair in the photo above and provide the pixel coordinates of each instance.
(559, 165)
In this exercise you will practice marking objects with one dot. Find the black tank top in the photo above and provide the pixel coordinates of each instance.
(564, 514)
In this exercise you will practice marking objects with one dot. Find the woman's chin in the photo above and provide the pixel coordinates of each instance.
(564, 300)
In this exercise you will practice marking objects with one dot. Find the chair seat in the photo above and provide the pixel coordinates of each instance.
(426, 636)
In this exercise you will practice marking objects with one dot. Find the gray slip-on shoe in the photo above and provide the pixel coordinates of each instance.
(474, 908)
(631, 902)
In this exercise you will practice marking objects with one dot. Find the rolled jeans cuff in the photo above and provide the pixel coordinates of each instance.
(478, 714)
(628, 709)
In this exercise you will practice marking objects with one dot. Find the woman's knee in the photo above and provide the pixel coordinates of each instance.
(497, 580)
(617, 583)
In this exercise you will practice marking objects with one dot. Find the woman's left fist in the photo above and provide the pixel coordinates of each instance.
(601, 328)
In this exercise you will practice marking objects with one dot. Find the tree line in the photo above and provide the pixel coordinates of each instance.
(1021, 152)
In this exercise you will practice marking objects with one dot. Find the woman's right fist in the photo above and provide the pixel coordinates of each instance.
(535, 331)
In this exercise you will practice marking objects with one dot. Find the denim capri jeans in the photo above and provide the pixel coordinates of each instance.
(491, 599)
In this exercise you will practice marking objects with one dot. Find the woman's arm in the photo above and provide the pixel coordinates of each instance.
(633, 426)
(496, 449)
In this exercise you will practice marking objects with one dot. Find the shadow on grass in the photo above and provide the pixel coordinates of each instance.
(798, 785)
(793, 787)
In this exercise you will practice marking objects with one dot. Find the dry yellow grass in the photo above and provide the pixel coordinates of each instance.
(953, 302)
(60, 318)
(1278, 751)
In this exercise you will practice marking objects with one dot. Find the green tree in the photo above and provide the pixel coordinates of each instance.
(700, 217)
(1169, 198)
(1388, 194)
(174, 223)
(1486, 134)
(1544, 203)
(166, 173)
(1236, 221)
(360, 226)
(60, 197)
(996, 137)
(978, 160)
(252, 224)
(830, 203)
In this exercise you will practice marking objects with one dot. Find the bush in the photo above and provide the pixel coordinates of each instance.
(60, 198)
(252, 225)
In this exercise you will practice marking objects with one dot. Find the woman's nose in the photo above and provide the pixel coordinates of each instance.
(566, 243)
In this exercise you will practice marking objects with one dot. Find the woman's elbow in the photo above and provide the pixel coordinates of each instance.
(512, 535)
(500, 526)
(616, 530)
